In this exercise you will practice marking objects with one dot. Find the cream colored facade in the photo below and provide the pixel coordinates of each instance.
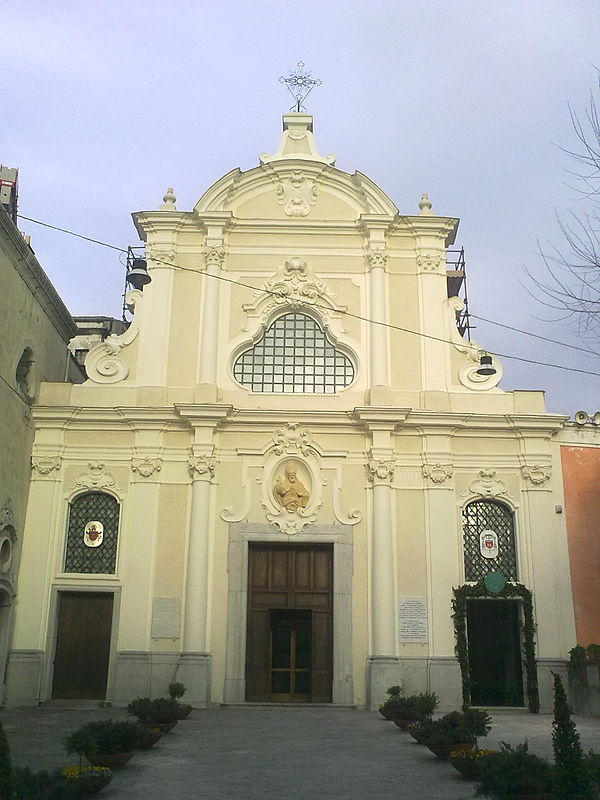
(35, 330)
(389, 454)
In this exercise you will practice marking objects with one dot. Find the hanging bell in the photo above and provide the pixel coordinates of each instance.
(138, 276)
(485, 366)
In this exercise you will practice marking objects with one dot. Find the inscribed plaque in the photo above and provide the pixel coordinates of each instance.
(166, 612)
(413, 625)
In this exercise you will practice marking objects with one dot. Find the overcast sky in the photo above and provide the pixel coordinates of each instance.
(106, 104)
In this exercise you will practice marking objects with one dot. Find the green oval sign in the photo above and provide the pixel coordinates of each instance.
(494, 582)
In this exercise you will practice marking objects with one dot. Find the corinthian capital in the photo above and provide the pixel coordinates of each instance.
(377, 258)
(381, 471)
(214, 256)
(202, 468)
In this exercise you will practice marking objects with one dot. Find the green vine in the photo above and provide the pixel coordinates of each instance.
(459, 614)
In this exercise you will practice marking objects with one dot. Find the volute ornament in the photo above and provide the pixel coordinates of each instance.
(146, 466)
(438, 473)
(537, 474)
(292, 438)
(488, 485)
(45, 464)
(95, 478)
(202, 467)
(381, 471)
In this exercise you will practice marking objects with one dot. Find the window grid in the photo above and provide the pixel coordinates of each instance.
(85, 508)
(294, 356)
(484, 515)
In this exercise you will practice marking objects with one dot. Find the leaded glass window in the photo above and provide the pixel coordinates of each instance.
(481, 518)
(92, 533)
(294, 356)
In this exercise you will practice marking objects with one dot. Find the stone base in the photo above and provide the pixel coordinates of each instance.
(24, 677)
(445, 680)
(194, 672)
(382, 672)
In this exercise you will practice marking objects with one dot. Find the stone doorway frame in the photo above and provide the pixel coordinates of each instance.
(241, 534)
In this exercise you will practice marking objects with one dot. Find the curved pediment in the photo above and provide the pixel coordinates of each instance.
(293, 188)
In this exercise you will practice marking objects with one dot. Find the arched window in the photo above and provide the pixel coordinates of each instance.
(294, 356)
(92, 533)
(489, 540)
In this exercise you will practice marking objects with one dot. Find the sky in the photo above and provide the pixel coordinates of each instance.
(105, 104)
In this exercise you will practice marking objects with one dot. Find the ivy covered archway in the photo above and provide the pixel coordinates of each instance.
(467, 592)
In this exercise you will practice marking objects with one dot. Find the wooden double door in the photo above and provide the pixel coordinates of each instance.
(290, 623)
(82, 645)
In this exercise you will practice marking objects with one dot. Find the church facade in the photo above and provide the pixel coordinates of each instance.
(292, 479)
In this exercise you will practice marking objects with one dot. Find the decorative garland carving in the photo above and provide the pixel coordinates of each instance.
(487, 485)
(438, 473)
(45, 464)
(380, 471)
(429, 260)
(160, 254)
(295, 285)
(146, 466)
(459, 614)
(202, 468)
(537, 474)
(96, 478)
(102, 363)
(292, 438)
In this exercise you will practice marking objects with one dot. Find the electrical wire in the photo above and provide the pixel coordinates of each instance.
(346, 313)
(534, 335)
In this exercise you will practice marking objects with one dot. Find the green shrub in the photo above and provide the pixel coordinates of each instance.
(106, 737)
(5, 766)
(415, 707)
(157, 711)
(176, 690)
(457, 727)
(571, 779)
(42, 785)
(513, 773)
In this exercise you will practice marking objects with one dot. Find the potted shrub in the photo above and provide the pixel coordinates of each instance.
(415, 708)
(416, 731)
(393, 694)
(85, 781)
(515, 774)
(106, 743)
(457, 730)
(176, 691)
(161, 712)
(469, 763)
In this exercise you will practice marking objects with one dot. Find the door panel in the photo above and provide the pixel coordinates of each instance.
(495, 664)
(299, 579)
(82, 645)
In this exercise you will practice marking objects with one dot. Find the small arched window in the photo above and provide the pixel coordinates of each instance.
(92, 533)
(295, 356)
(489, 540)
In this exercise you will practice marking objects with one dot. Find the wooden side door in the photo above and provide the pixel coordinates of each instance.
(295, 578)
(82, 645)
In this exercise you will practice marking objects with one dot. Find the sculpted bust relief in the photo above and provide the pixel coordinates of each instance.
(289, 490)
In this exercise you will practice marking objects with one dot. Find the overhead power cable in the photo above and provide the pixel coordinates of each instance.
(346, 313)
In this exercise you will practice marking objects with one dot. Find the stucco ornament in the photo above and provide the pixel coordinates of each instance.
(95, 478)
(380, 471)
(438, 473)
(214, 256)
(430, 260)
(289, 490)
(292, 438)
(45, 464)
(202, 468)
(288, 498)
(103, 363)
(297, 193)
(537, 474)
(146, 466)
(376, 257)
(294, 285)
(7, 516)
(160, 254)
(487, 485)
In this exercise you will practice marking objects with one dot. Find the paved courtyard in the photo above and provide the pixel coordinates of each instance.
(274, 752)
